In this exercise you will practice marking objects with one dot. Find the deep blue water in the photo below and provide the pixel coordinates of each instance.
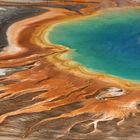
(107, 43)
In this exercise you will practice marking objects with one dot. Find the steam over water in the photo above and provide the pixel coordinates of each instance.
(107, 43)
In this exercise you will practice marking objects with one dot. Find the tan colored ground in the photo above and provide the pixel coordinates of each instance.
(65, 83)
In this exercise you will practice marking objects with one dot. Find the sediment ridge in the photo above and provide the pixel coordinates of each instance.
(50, 90)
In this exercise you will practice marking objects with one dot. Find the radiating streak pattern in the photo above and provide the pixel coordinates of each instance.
(36, 84)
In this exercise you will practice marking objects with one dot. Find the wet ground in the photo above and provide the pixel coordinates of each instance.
(14, 127)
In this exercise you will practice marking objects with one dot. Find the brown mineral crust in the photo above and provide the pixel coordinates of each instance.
(60, 82)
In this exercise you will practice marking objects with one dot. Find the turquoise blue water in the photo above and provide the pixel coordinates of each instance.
(108, 43)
